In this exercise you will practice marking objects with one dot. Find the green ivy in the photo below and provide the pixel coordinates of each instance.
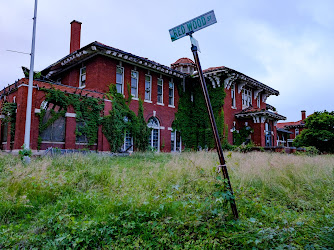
(192, 118)
(88, 110)
(9, 111)
(240, 136)
(121, 119)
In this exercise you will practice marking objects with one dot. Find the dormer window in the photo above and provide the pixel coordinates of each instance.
(82, 79)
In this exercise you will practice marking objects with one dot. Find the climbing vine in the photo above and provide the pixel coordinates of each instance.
(9, 111)
(122, 119)
(88, 112)
(240, 136)
(192, 118)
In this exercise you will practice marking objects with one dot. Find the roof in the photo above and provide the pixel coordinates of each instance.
(46, 84)
(183, 60)
(97, 48)
(235, 75)
(252, 112)
(288, 125)
(284, 131)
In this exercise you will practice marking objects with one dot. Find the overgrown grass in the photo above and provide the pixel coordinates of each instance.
(167, 201)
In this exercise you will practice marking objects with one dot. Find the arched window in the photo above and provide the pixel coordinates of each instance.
(55, 132)
(154, 140)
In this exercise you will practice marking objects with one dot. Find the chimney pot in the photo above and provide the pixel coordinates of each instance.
(75, 36)
(303, 115)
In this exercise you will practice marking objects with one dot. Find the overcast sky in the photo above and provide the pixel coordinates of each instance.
(286, 44)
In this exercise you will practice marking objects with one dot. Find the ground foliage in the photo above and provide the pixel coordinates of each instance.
(319, 132)
(121, 119)
(9, 111)
(192, 118)
(167, 201)
(88, 112)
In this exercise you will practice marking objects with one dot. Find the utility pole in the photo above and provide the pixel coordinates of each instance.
(31, 80)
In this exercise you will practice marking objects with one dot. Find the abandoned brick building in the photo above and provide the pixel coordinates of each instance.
(89, 70)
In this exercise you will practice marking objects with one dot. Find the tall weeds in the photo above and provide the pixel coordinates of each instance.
(167, 201)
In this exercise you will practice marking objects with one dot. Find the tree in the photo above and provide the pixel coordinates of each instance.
(319, 132)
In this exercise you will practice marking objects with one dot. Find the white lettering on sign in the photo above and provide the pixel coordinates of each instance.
(192, 25)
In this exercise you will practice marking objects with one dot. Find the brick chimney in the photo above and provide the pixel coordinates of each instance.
(75, 36)
(303, 115)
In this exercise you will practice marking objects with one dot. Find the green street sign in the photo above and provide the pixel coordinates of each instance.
(192, 25)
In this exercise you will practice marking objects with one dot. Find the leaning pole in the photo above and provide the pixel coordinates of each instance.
(187, 29)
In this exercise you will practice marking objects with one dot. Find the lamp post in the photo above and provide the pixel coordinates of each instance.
(31, 80)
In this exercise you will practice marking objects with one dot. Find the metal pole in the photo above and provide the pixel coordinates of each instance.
(214, 129)
(31, 79)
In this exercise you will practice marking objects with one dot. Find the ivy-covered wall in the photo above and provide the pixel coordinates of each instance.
(192, 118)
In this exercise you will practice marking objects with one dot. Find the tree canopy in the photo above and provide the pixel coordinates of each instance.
(319, 132)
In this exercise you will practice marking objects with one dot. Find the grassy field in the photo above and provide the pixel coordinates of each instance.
(167, 201)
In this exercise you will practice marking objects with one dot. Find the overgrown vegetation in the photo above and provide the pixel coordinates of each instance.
(88, 112)
(192, 118)
(122, 119)
(167, 201)
(319, 132)
(9, 111)
(239, 137)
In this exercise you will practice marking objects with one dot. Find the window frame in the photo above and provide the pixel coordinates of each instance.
(173, 95)
(137, 78)
(122, 82)
(247, 95)
(82, 84)
(157, 127)
(162, 91)
(174, 142)
(233, 95)
(150, 88)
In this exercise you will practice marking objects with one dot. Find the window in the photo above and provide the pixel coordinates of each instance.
(128, 142)
(81, 137)
(296, 132)
(175, 141)
(119, 79)
(171, 94)
(134, 84)
(246, 97)
(4, 132)
(55, 132)
(233, 95)
(82, 79)
(148, 81)
(259, 101)
(154, 139)
(160, 91)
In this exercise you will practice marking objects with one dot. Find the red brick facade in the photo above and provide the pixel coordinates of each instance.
(101, 62)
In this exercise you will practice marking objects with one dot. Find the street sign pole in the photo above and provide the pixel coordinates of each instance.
(222, 165)
(187, 29)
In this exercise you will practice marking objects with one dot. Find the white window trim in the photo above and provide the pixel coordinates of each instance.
(258, 101)
(80, 74)
(158, 128)
(162, 93)
(123, 146)
(148, 100)
(249, 97)
(174, 151)
(233, 97)
(171, 105)
(122, 83)
(135, 97)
